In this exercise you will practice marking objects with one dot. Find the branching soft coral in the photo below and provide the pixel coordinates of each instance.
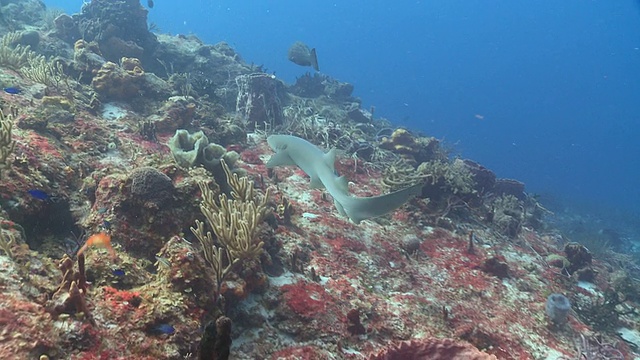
(14, 56)
(233, 221)
(7, 144)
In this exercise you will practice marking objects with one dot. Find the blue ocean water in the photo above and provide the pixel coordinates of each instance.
(546, 92)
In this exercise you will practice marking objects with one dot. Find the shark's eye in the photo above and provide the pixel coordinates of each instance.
(282, 147)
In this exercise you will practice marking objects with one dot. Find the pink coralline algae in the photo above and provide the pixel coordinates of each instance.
(432, 349)
(305, 298)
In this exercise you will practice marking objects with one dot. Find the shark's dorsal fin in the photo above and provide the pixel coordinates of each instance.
(330, 159)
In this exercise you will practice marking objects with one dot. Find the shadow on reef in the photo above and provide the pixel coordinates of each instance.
(45, 219)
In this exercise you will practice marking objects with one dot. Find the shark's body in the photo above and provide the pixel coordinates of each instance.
(292, 150)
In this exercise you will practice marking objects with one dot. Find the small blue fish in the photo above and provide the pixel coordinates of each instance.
(38, 194)
(12, 90)
(118, 272)
(106, 224)
(163, 329)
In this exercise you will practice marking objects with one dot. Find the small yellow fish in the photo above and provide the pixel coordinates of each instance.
(101, 240)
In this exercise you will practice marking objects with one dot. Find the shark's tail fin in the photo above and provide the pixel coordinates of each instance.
(314, 59)
(358, 209)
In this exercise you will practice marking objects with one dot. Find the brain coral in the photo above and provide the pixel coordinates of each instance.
(151, 185)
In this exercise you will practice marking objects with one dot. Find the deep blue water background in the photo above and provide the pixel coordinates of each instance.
(557, 83)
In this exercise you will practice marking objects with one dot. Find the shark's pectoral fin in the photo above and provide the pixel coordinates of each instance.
(342, 184)
(339, 207)
(281, 158)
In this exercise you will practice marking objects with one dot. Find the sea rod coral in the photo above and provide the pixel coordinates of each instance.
(234, 222)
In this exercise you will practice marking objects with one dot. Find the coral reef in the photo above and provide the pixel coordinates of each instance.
(190, 150)
(148, 185)
(45, 71)
(483, 178)
(402, 142)
(578, 256)
(259, 99)
(508, 215)
(115, 83)
(20, 15)
(454, 177)
(128, 82)
(120, 28)
(86, 58)
(602, 314)
(7, 242)
(432, 349)
(416, 150)
(187, 148)
(7, 144)
(557, 308)
(52, 110)
(71, 294)
(177, 112)
(319, 85)
(235, 222)
(509, 187)
(216, 342)
(13, 55)
(156, 143)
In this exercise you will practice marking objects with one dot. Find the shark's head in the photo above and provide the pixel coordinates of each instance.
(277, 142)
(280, 144)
